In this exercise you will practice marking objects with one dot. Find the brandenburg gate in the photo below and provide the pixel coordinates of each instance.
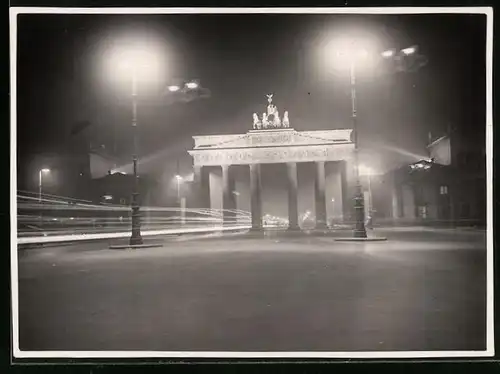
(273, 141)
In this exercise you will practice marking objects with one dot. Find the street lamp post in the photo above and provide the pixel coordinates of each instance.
(354, 55)
(135, 238)
(359, 208)
(40, 185)
(136, 60)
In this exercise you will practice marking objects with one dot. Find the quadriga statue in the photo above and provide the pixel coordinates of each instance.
(286, 122)
(256, 121)
(265, 122)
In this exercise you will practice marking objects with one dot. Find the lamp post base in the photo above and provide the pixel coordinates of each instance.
(136, 246)
(136, 240)
(359, 234)
(359, 213)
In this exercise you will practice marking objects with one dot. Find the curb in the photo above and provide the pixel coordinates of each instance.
(135, 246)
(377, 239)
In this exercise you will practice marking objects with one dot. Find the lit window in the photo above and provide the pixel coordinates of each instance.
(443, 190)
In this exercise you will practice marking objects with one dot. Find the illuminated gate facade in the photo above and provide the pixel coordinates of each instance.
(273, 141)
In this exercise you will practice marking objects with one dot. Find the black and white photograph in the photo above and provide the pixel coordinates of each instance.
(251, 182)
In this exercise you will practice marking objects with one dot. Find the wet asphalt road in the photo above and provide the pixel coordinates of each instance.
(420, 290)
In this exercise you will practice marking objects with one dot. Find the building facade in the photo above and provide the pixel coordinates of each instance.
(447, 189)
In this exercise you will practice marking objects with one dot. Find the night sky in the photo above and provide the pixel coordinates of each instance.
(62, 80)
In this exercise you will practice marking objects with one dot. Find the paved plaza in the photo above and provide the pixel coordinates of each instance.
(423, 289)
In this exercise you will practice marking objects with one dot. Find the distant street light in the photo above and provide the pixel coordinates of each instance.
(181, 201)
(192, 85)
(40, 180)
(389, 53)
(401, 58)
(179, 181)
(188, 86)
(409, 50)
(405, 51)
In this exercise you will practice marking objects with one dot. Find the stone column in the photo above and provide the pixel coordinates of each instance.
(344, 187)
(293, 212)
(256, 196)
(397, 198)
(319, 196)
(395, 203)
(228, 197)
(201, 187)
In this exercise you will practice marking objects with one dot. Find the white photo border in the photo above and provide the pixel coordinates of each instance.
(490, 350)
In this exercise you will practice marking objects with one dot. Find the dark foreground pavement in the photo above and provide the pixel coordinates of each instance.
(420, 290)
